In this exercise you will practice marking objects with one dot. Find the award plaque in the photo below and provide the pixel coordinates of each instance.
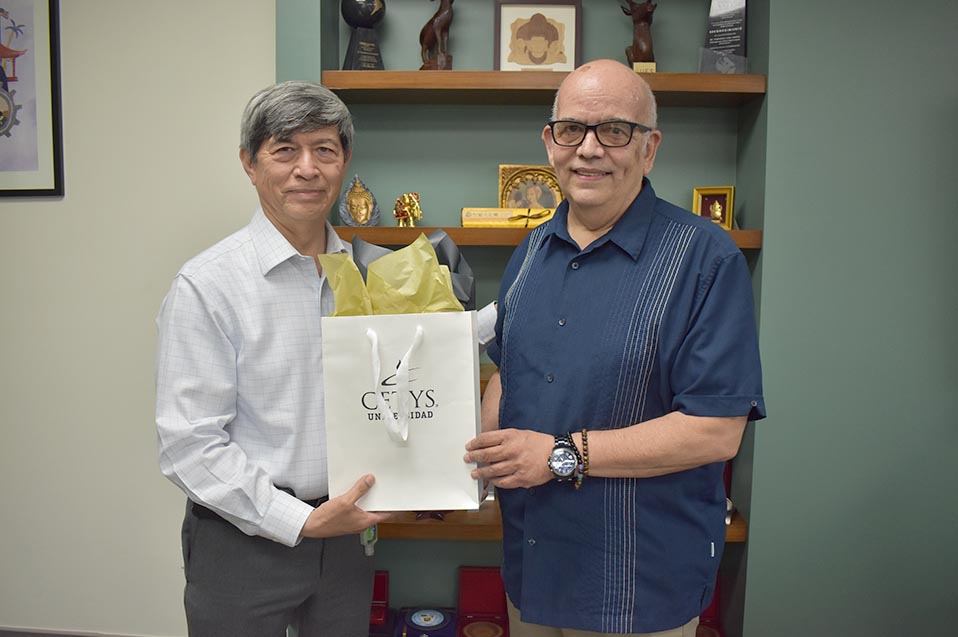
(358, 207)
(724, 50)
(363, 53)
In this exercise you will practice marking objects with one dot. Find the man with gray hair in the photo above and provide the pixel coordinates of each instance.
(240, 409)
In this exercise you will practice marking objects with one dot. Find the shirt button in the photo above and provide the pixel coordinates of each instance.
(561, 322)
(550, 378)
(575, 265)
(532, 542)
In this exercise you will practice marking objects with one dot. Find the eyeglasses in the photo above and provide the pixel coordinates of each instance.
(613, 133)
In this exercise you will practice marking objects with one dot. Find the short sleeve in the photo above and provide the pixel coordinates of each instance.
(717, 370)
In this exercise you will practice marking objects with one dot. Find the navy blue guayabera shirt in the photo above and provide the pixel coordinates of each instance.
(655, 316)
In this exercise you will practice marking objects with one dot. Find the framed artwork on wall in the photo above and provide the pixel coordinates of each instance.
(538, 35)
(31, 150)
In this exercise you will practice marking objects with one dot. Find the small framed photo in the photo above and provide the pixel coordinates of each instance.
(528, 187)
(715, 202)
(31, 153)
(538, 35)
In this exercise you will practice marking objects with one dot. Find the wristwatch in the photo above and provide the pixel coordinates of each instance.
(564, 459)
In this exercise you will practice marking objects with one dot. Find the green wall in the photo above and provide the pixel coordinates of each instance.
(854, 516)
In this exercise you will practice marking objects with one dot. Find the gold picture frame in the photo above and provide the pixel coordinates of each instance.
(523, 187)
(716, 203)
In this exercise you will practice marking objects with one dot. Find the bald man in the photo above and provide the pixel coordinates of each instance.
(628, 369)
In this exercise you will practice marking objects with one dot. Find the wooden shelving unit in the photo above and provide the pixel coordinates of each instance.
(528, 87)
(395, 236)
(485, 525)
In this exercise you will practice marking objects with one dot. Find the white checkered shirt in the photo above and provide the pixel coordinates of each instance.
(239, 383)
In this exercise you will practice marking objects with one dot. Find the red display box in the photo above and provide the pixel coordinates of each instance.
(382, 619)
(482, 603)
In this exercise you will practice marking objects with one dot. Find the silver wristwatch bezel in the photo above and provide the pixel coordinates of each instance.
(563, 453)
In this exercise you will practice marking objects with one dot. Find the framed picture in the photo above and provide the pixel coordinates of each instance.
(528, 187)
(717, 203)
(538, 35)
(31, 152)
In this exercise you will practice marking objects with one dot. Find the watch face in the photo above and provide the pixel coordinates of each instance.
(562, 462)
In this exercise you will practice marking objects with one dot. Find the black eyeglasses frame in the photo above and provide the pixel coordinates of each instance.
(595, 131)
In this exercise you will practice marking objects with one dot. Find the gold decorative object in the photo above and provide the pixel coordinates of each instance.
(528, 187)
(505, 217)
(407, 210)
(715, 203)
(358, 207)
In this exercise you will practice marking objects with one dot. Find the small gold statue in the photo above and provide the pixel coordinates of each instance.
(716, 210)
(407, 210)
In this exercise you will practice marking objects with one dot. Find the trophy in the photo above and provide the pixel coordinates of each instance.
(724, 50)
(358, 207)
(363, 53)
(434, 39)
(640, 54)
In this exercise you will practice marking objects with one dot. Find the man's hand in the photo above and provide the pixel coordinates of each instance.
(511, 458)
(341, 516)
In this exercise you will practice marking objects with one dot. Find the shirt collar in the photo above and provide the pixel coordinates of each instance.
(272, 248)
(629, 231)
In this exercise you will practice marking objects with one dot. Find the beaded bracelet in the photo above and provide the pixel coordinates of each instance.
(585, 452)
(583, 458)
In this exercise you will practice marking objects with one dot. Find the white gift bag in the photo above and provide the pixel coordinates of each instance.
(402, 401)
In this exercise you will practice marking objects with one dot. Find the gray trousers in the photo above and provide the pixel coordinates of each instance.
(243, 586)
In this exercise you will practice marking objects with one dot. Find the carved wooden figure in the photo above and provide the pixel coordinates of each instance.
(641, 49)
(434, 39)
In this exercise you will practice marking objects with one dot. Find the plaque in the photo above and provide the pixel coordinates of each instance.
(363, 53)
(358, 207)
(434, 40)
(407, 210)
(640, 54)
(724, 50)
(505, 217)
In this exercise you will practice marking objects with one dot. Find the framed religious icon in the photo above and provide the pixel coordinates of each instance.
(528, 187)
(717, 203)
(538, 35)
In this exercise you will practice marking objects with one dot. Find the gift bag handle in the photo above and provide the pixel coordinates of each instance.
(397, 428)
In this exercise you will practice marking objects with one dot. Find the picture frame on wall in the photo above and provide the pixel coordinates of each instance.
(716, 203)
(538, 35)
(31, 148)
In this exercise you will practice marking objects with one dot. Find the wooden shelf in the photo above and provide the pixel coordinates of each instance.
(395, 236)
(528, 87)
(485, 525)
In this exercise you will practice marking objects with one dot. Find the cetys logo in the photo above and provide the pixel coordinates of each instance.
(420, 401)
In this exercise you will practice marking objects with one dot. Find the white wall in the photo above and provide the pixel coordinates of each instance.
(152, 96)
